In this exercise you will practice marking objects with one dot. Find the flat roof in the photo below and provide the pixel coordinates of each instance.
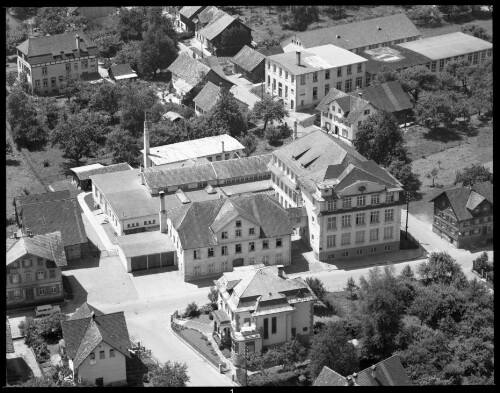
(447, 45)
(145, 243)
(80, 169)
(394, 57)
(254, 186)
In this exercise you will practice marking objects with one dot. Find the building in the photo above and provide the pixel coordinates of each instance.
(91, 13)
(343, 113)
(97, 346)
(356, 36)
(250, 64)
(55, 58)
(187, 14)
(33, 270)
(388, 372)
(433, 52)
(270, 50)
(208, 97)
(173, 116)
(172, 11)
(119, 72)
(353, 205)
(81, 174)
(464, 215)
(214, 236)
(40, 214)
(262, 307)
(302, 79)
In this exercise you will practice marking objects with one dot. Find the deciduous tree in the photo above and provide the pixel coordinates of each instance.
(226, 114)
(124, 146)
(425, 16)
(170, 374)
(250, 143)
(476, 31)
(441, 268)
(317, 286)
(158, 51)
(131, 24)
(269, 110)
(416, 79)
(130, 53)
(476, 173)
(403, 172)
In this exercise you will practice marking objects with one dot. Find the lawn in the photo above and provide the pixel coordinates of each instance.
(341, 307)
(198, 341)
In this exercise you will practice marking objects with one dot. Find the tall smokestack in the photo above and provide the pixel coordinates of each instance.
(77, 42)
(298, 57)
(146, 141)
(294, 130)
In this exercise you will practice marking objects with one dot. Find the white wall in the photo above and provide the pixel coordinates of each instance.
(113, 370)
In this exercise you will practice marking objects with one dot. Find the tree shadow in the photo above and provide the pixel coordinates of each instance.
(17, 371)
(441, 134)
(10, 162)
(36, 146)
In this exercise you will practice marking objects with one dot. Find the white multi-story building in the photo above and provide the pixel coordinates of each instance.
(353, 205)
(302, 79)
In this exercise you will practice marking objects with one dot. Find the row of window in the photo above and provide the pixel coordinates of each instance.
(359, 236)
(360, 201)
(28, 262)
(42, 275)
(284, 73)
(102, 354)
(85, 65)
(471, 58)
(41, 292)
(360, 219)
(211, 267)
(478, 221)
(237, 247)
(359, 252)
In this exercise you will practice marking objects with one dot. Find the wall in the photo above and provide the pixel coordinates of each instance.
(113, 370)
(281, 328)
(302, 318)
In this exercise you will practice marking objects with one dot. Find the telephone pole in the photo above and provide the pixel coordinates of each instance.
(407, 210)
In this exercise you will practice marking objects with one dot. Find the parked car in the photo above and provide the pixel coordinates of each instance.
(46, 309)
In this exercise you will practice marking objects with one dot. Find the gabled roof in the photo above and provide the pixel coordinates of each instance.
(84, 333)
(207, 97)
(208, 14)
(352, 106)
(270, 50)
(85, 311)
(44, 197)
(214, 64)
(220, 22)
(363, 33)
(189, 11)
(248, 58)
(393, 57)
(84, 173)
(122, 71)
(48, 246)
(188, 69)
(388, 96)
(328, 377)
(228, 212)
(172, 116)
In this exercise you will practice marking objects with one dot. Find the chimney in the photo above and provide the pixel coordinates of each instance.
(354, 376)
(360, 94)
(93, 316)
(298, 57)
(374, 373)
(146, 141)
(281, 272)
(294, 130)
(163, 215)
(222, 146)
(349, 380)
(77, 42)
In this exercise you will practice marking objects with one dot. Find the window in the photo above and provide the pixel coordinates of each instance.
(85, 63)
(76, 66)
(339, 72)
(40, 261)
(360, 68)
(218, 158)
(361, 200)
(475, 57)
(265, 260)
(44, 70)
(327, 89)
(45, 82)
(315, 93)
(286, 91)
(211, 252)
(331, 205)
(339, 85)
(251, 231)
(37, 83)
(15, 278)
(224, 250)
(17, 294)
(345, 254)
(278, 242)
(360, 219)
(92, 356)
(101, 355)
(389, 197)
(237, 248)
(346, 203)
(373, 234)
(251, 246)
(238, 224)
(280, 71)
(292, 77)
(111, 353)
(41, 291)
(375, 199)
(302, 79)
(389, 215)
(53, 81)
(266, 328)
(196, 254)
(373, 249)
(359, 82)
(238, 233)
(387, 248)
(280, 89)
(331, 256)
(251, 261)
(52, 273)
(330, 241)
(348, 85)
(268, 65)
(327, 74)
(273, 325)
(28, 276)
(349, 70)
(433, 66)
(346, 221)
(315, 77)
(286, 74)
(388, 233)
(224, 235)
(346, 239)
(53, 289)
(274, 67)
(360, 237)
(265, 244)
(41, 275)
(68, 67)
(374, 217)
(331, 223)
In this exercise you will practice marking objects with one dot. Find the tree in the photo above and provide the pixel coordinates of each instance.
(250, 142)
(14, 37)
(380, 139)
(80, 134)
(476, 173)
(287, 354)
(49, 327)
(331, 348)
(51, 20)
(407, 273)
(481, 88)
(23, 13)
(108, 41)
(476, 31)
(47, 113)
(416, 79)
(37, 382)
(300, 17)
(136, 98)
(158, 51)
(351, 287)
(410, 180)
(439, 108)
(425, 16)
(213, 295)
(124, 146)
(105, 97)
(130, 53)
(456, 12)
(233, 39)
(157, 21)
(226, 114)
(8, 147)
(432, 175)
(71, 86)
(273, 135)
(317, 287)
(130, 24)
(462, 71)
(441, 268)
(169, 375)
(269, 110)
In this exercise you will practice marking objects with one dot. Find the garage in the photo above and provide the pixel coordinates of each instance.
(139, 263)
(238, 262)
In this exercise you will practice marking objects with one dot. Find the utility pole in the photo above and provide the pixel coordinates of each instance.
(407, 210)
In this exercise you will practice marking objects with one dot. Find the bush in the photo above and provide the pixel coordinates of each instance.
(46, 163)
(192, 310)
(186, 35)
(318, 326)
(285, 131)
(425, 16)
(317, 287)
(250, 143)
(210, 316)
(272, 134)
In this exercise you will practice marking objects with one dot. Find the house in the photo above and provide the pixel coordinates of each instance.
(187, 14)
(208, 97)
(210, 35)
(33, 270)
(344, 113)
(9, 345)
(173, 116)
(120, 72)
(214, 236)
(81, 174)
(215, 65)
(42, 213)
(388, 372)
(356, 36)
(270, 50)
(91, 13)
(302, 79)
(96, 345)
(353, 205)
(463, 216)
(261, 307)
(54, 58)
(250, 64)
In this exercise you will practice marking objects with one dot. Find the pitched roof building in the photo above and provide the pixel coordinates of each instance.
(250, 63)
(121, 72)
(388, 96)
(81, 174)
(208, 97)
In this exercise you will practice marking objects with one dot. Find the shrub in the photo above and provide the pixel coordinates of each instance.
(46, 163)
(192, 310)
(285, 131)
(317, 287)
(186, 35)
(250, 143)
(318, 326)
(273, 135)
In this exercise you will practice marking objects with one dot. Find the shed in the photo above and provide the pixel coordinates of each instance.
(121, 72)
(81, 174)
(250, 64)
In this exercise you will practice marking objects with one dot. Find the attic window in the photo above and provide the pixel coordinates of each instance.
(379, 28)
(300, 155)
(182, 197)
(309, 163)
(337, 36)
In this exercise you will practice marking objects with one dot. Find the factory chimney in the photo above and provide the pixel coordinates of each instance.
(146, 141)
(77, 42)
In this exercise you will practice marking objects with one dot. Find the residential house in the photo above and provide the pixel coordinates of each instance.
(119, 72)
(54, 58)
(261, 308)
(353, 205)
(463, 216)
(388, 372)
(250, 64)
(41, 213)
(215, 65)
(302, 79)
(33, 270)
(187, 14)
(356, 36)
(81, 174)
(208, 97)
(97, 346)
(214, 236)
(204, 18)
(343, 113)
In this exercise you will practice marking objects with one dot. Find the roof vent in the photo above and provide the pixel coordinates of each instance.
(309, 163)
(337, 37)
(379, 28)
(182, 197)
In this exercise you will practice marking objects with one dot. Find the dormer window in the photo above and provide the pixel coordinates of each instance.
(238, 223)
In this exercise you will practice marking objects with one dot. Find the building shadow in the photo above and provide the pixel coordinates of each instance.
(84, 263)
(299, 262)
(9, 162)
(17, 371)
(206, 282)
(147, 272)
(74, 292)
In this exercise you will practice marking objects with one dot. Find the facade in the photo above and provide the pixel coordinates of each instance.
(49, 60)
(357, 36)
(81, 174)
(262, 307)
(92, 12)
(250, 64)
(187, 14)
(464, 215)
(208, 97)
(33, 271)
(353, 205)
(97, 346)
(302, 79)
(217, 235)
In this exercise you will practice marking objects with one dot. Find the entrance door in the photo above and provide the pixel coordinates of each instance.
(238, 262)
(336, 130)
(99, 381)
(29, 294)
(485, 230)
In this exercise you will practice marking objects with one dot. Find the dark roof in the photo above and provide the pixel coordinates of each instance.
(72, 9)
(208, 13)
(85, 311)
(188, 69)
(248, 59)
(394, 57)
(44, 49)
(9, 345)
(351, 105)
(48, 246)
(214, 64)
(362, 33)
(294, 212)
(197, 222)
(388, 96)
(221, 316)
(220, 22)
(207, 97)
(123, 166)
(460, 197)
(45, 197)
(121, 69)
(189, 11)
(328, 377)
(84, 333)
(241, 166)
(271, 50)
(61, 215)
